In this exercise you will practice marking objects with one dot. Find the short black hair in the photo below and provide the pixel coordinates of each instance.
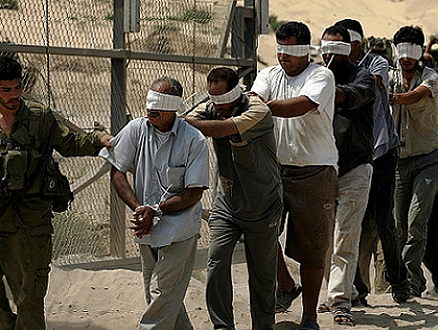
(10, 68)
(411, 34)
(351, 24)
(224, 74)
(295, 29)
(337, 29)
(175, 86)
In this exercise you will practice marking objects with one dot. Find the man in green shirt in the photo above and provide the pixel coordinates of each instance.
(28, 134)
(249, 200)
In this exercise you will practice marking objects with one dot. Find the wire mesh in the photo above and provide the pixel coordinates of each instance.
(79, 89)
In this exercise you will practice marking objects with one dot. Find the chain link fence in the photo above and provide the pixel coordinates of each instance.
(67, 49)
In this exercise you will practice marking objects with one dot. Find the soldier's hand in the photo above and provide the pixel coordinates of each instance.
(105, 140)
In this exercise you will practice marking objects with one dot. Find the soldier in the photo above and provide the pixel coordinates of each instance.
(28, 134)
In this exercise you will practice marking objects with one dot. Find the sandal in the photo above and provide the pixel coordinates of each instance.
(323, 308)
(343, 313)
(284, 299)
(309, 324)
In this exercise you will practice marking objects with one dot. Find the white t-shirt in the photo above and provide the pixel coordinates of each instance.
(308, 139)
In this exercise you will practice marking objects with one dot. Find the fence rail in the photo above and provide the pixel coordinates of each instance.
(79, 60)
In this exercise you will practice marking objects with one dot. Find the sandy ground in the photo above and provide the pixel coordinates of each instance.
(114, 299)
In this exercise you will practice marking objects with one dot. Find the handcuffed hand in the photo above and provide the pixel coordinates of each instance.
(142, 223)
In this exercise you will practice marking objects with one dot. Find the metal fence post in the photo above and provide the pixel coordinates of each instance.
(118, 119)
(243, 40)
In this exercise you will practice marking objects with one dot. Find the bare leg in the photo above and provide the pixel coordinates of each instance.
(284, 279)
(311, 280)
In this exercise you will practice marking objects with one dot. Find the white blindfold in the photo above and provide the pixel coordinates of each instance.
(163, 102)
(293, 50)
(409, 50)
(354, 36)
(335, 47)
(228, 97)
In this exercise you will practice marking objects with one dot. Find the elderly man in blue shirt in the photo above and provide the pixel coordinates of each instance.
(169, 158)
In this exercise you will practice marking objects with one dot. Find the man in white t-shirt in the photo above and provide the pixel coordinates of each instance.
(301, 98)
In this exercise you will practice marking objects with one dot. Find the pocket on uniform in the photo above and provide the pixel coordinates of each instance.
(40, 249)
(175, 176)
(41, 282)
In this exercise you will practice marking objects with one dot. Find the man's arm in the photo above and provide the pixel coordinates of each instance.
(123, 188)
(378, 80)
(357, 93)
(144, 214)
(213, 128)
(379, 67)
(410, 97)
(292, 107)
(183, 200)
(68, 143)
(427, 52)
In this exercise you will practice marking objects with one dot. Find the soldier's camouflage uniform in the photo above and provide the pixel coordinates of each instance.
(25, 226)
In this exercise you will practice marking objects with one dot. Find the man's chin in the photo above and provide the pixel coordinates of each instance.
(11, 106)
(409, 68)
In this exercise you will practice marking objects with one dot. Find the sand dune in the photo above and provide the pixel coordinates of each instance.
(380, 18)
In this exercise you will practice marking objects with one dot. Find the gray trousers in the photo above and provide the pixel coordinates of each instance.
(415, 189)
(166, 272)
(354, 187)
(260, 239)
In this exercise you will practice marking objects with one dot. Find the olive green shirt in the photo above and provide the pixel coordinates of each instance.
(34, 125)
(416, 124)
(250, 184)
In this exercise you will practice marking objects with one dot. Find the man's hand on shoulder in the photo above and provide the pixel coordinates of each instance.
(105, 140)
(191, 120)
(251, 93)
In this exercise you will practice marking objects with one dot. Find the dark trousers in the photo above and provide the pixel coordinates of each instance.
(379, 210)
(24, 263)
(260, 239)
(431, 255)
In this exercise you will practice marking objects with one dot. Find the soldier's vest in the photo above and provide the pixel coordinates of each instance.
(26, 162)
(19, 154)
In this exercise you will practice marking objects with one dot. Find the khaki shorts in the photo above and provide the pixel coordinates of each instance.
(309, 195)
